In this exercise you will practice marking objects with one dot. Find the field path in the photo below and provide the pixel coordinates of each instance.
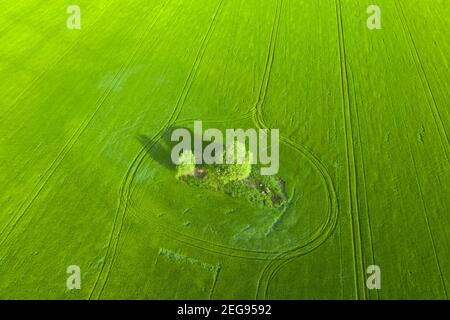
(364, 128)
(124, 193)
(5, 232)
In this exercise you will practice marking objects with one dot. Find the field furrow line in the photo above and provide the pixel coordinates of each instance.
(182, 98)
(64, 151)
(324, 231)
(47, 175)
(352, 174)
(126, 186)
(268, 66)
(363, 179)
(316, 240)
(427, 220)
(248, 254)
(425, 212)
(432, 104)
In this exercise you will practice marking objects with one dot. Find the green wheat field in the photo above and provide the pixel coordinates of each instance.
(364, 121)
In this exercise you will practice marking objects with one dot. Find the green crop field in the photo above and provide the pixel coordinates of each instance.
(364, 156)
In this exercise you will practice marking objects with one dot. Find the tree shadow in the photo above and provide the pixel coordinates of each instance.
(160, 151)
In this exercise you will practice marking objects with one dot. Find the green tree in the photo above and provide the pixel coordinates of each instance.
(241, 168)
(186, 164)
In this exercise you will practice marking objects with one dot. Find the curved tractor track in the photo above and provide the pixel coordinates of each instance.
(276, 259)
(127, 182)
(323, 233)
(16, 218)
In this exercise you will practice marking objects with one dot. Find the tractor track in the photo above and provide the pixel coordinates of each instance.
(23, 208)
(125, 189)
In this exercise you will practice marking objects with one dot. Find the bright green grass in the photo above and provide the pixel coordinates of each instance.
(364, 118)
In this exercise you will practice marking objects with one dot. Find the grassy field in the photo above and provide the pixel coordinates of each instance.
(364, 120)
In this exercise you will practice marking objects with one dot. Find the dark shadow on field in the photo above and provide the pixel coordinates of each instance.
(160, 151)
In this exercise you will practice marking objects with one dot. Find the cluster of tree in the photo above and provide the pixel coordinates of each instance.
(222, 173)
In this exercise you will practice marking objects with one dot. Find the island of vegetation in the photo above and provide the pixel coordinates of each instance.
(239, 180)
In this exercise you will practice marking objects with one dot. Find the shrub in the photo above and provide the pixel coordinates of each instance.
(241, 168)
(186, 164)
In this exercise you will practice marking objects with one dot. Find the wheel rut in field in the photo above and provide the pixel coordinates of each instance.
(126, 185)
(319, 235)
(431, 100)
(24, 206)
(324, 232)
